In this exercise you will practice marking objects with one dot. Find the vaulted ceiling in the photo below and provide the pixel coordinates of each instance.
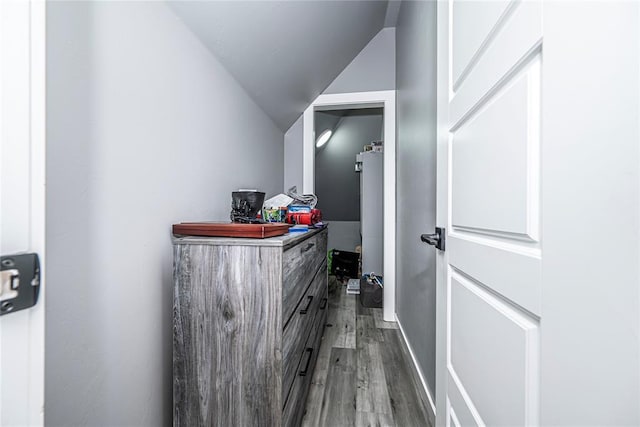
(285, 53)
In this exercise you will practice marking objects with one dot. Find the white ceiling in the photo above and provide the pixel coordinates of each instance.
(284, 53)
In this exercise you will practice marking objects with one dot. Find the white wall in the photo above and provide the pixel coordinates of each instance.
(372, 69)
(416, 180)
(590, 181)
(293, 156)
(145, 129)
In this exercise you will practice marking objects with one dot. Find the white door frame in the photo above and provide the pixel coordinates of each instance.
(22, 80)
(387, 100)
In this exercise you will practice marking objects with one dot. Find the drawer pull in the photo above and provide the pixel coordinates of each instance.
(304, 310)
(323, 304)
(308, 247)
(306, 366)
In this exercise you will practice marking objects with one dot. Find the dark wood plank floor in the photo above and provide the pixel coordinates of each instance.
(364, 375)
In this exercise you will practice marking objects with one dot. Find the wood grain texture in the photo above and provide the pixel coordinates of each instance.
(339, 403)
(381, 323)
(385, 379)
(295, 405)
(361, 310)
(408, 408)
(228, 331)
(370, 419)
(230, 229)
(367, 331)
(215, 383)
(318, 384)
(285, 241)
(344, 321)
(373, 394)
(299, 328)
(334, 336)
(299, 265)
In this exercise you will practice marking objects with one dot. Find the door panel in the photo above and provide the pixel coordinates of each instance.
(517, 41)
(538, 166)
(474, 23)
(453, 418)
(494, 240)
(539, 190)
(504, 345)
(509, 269)
(459, 405)
(495, 163)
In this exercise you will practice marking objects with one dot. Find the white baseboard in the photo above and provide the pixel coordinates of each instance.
(431, 406)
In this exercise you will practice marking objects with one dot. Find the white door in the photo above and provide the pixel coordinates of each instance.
(22, 196)
(538, 188)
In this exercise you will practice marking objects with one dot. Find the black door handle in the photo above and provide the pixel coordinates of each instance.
(431, 239)
(436, 239)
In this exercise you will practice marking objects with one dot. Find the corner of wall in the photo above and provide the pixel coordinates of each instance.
(293, 156)
(141, 123)
(372, 69)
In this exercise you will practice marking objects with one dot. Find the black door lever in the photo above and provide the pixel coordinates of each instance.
(436, 239)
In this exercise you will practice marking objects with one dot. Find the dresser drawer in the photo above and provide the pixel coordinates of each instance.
(297, 331)
(295, 403)
(299, 265)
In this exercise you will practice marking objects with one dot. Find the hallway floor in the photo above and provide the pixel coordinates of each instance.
(364, 375)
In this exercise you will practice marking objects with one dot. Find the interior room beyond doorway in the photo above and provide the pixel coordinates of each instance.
(341, 137)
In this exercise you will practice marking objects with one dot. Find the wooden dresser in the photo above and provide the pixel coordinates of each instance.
(248, 320)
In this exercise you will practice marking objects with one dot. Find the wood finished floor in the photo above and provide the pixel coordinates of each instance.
(364, 375)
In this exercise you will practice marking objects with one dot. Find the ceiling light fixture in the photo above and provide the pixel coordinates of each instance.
(323, 138)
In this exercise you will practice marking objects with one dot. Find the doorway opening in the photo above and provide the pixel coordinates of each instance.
(383, 101)
(349, 185)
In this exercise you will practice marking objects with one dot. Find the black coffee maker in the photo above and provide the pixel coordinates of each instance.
(245, 206)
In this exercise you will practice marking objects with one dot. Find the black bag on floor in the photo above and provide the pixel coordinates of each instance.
(344, 263)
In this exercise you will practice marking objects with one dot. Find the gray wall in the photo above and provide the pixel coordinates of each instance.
(323, 120)
(371, 70)
(416, 179)
(344, 235)
(144, 129)
(336, 182)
